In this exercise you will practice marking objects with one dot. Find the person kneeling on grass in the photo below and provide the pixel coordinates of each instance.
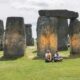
(57, 57)
(48, 56)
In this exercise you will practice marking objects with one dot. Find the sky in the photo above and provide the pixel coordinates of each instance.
(29, 9)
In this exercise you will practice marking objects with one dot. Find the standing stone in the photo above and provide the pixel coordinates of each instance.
(1, 34)
(29, 39)
(62, 34)
(14, 42)
(74, 30)
(46, 35)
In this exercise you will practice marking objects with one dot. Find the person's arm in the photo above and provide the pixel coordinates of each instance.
(45, 55)
(50, 56)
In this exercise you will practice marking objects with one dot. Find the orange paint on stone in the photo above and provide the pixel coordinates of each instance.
(75, 41)
(48, 42)
(43, 42)
(53, 41)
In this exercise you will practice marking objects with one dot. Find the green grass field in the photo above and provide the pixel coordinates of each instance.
(28, 68)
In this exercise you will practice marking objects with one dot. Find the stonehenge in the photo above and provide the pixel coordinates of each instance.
(55, 23)
(14, 41)
(53, 32)
(1, 34)
(28, 31)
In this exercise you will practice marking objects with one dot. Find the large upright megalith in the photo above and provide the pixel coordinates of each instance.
(74, 30)
(1, 34)
(46, 35)
(62, 33)
(28, 31)
(14, 42)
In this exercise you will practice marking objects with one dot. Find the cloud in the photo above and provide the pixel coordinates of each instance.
(45, 4)
(4, 1)
(30, 4)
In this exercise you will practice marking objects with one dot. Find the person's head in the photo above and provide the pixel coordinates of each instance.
(56, 53)
(48, 51)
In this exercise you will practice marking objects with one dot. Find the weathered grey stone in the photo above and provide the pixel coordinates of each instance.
(62, 34)
(29, 39)
(58, 13)
(74, 30)
(1, 34)
(14, 42)
(46, 35)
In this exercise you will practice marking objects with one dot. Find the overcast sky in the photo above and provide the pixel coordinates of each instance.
(29, 9)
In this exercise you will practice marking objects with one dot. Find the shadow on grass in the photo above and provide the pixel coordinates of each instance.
(38, 58)
(69, 57)
(34, 52)
(8, 58)
(42, 59)
(74, 56)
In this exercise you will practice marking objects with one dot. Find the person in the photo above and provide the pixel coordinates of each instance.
(48, 56)
(57, 57)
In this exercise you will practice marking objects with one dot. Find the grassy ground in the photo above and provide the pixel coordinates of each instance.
(27, 68)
